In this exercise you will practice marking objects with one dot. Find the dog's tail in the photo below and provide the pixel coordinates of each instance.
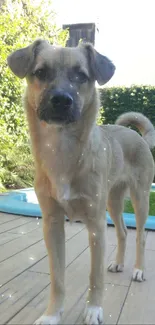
(142, 123)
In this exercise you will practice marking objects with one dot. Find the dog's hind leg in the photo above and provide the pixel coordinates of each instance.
(140, 201)
(115, 208)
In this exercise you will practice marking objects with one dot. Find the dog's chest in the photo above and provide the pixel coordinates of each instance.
(59, 161)
(63, 193)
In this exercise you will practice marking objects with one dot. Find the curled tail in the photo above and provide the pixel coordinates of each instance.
(142, 123)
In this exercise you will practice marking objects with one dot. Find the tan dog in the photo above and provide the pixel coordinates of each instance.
(82, 168)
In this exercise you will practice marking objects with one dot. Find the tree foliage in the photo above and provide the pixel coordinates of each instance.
(21, 22)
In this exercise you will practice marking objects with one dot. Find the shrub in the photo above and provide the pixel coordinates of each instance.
(16, 162)
(25, 22)
(21, 22)
(118, 100)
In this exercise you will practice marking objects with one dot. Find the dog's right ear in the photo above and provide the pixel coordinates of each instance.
(21, 61)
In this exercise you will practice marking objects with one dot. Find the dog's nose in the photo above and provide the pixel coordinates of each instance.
(61, 99)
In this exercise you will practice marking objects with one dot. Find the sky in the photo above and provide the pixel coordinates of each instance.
(126, 34)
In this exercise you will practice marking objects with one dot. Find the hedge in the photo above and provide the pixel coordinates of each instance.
(118, 100)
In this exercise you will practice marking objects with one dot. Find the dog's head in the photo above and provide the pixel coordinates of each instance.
(61, 81)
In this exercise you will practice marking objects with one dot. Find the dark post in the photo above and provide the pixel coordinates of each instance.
(77, 32)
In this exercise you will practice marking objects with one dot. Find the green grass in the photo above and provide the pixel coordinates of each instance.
(129, 209)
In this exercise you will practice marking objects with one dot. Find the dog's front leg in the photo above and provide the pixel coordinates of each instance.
(53, 228)
(93, 312)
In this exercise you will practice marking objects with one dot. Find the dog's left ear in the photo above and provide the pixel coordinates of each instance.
(101, 67)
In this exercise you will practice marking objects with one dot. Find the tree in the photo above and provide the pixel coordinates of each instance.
(21, 22)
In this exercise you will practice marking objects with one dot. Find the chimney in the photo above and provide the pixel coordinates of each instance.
(77, 32)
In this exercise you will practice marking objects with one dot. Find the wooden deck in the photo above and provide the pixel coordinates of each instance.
(24, 275)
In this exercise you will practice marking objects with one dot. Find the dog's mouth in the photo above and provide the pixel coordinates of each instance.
(58, 119)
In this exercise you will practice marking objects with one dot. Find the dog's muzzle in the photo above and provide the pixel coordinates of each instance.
(58, 108)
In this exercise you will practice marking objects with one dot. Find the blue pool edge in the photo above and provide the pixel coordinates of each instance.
(9, 204)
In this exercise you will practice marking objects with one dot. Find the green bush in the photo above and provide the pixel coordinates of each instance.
(25, 22)
(118, 100)
(21, 22)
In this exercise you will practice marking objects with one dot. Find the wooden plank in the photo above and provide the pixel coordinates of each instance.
(150, 240)
(111, 236)
(19, 244)
(131, 237)
(31, 237)
(30, 311)
(4, 217)
(74, 247)
(19, 292)
(13, 224)
(77, 280)
(26, 258)
(77, 277)
(76, 312)
(7, 237)
(38, 301)
(73, 228)
(33, 224)
(139, 307)
(23, 260)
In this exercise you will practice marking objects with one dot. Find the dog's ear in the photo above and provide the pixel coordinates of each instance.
(21, 61)
(102, 69)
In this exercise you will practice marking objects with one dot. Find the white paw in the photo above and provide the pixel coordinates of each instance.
(138, 275)
(114, 267)
(93, 315)
(48, 320)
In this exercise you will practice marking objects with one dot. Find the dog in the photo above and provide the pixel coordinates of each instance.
(81, 168)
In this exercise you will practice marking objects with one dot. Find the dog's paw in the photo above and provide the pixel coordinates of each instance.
(138, 275)
(114, 267)
(48, 320)
(93, 315)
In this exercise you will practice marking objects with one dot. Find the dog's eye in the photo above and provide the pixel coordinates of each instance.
(81, 77)
(76, 75)
(41, 74)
